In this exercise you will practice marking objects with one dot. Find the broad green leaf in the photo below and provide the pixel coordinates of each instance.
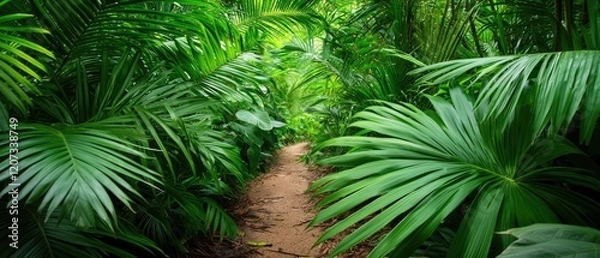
(461, 154)
(258, 118)
(553, 240)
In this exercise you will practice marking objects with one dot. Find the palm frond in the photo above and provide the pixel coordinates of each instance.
(274, 17)
(421, 168)
(183, 210)
(18, 62)
(80, 30)
(182, 130)
(556, 85)
(53, 237)
(443, 30)
(77, 26)
(80, 170)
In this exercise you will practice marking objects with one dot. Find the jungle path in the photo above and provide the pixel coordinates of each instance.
(276, 209)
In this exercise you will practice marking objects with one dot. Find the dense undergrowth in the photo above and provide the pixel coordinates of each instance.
(137, 121)
(132, 124)
(485, 118)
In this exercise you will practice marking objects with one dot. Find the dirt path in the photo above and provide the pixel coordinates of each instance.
(276, 209)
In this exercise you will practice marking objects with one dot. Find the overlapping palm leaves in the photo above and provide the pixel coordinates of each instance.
(553, 240)
(129, 118)
(556, 85)
(83, 166)
(273, 17)
(55, 237)
(18, 64)
(498, 157)
(420, 168)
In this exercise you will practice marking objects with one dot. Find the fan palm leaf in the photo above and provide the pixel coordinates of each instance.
(421, 168)
(192, 202)
(130, 114)
(83, 32)
(53, 237)
(556, 85)
(80, 170)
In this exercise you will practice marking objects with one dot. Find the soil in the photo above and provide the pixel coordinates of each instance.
(276, 210)
(273, 216)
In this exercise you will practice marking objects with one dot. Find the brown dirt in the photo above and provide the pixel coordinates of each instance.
(276, 209)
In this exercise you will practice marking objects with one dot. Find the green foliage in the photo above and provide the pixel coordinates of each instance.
(256, 133)
(130, 136)
(83, 166)
(544, 240)
(303, 127)
(554, 84)
(418, 169)
(258, 118)
(140, 119)
(300, 81)
(497, 157)
(53, 237)
(18, 63)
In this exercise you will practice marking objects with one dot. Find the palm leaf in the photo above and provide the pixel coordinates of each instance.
(556, 85)
(543, 240)
(77, 26)
(274, 17)
(183, 210)
(421, 168)
(83, 31)
(80, 169)
(18, 63)
(53, 237)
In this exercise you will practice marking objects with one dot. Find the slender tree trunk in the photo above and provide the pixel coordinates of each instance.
(574, 41)
(558, 19)
(474, 30)
(585, 17)
(568, 10)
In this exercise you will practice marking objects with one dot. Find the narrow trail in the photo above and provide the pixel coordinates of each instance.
(276, 209)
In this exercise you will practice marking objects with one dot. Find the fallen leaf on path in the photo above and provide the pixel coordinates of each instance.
(259, 244)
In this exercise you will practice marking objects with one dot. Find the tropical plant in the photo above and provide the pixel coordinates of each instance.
(377, 43)
(300, 81)
(418, 169)
(50, 237)
(369, 47)
(127, 134)
(554, 85)
(499, 155)
(18, 66)
(544, 240)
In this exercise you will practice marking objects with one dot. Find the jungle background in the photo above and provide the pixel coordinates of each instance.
(443, 122)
